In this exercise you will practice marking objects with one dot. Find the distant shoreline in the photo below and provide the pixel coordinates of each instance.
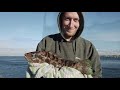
(110, 56)
(103, 56)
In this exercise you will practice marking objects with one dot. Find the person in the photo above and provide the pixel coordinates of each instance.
(69, 44)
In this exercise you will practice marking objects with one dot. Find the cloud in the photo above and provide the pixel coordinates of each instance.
(19, 43)
(16, 48)
(109, 26)
(106, 31)
(112, 36)
(14, 51)
(96, 18)
(4, 44)
(107, 45)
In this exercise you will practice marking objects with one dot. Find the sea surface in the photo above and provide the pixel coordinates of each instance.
(15, 67)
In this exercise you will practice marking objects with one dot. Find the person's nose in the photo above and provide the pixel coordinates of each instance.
(71, 23)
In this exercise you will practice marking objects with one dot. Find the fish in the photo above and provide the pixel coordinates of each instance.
(84, 66)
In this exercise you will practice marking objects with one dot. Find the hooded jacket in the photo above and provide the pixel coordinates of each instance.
(77, 48)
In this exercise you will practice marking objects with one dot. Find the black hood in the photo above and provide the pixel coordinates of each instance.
(80, 29)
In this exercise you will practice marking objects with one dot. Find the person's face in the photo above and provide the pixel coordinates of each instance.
(70, 23)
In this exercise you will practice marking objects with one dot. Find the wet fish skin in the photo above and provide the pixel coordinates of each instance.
(51, 58)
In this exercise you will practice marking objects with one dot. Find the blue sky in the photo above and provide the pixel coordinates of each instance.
(22, 31)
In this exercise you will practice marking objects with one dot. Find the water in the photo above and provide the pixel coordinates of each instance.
(15, 67)
(111, 67)
(12, 67)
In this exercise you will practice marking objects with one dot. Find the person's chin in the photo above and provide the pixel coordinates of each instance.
(69, 34)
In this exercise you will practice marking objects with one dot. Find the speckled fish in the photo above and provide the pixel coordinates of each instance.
(44, 56)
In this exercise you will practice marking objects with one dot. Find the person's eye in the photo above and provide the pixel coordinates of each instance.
(66, 19)
(76, 20)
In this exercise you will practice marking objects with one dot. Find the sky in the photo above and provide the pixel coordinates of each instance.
(20, 32)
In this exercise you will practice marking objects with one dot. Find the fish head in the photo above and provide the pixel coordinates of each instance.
(36, 56)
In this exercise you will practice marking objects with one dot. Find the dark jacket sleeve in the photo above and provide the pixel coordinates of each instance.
(96, 64)
(41, 45)
(45, 44)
